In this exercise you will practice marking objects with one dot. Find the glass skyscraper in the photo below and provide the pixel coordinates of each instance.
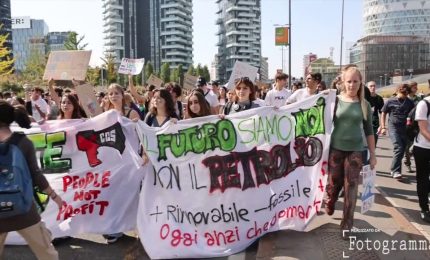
(28, 41)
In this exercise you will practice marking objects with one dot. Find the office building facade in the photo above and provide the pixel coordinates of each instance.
(239, 34)
(55, 41)
(396, 17)
(381, 57)
(29, 39)
(159, 31)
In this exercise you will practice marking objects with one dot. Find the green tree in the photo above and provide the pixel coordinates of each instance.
(34, 67)
(111, 71)
(199, 70)
(206, 73)
(181, 74)
(73, 42)
(165, 72)
(191, 70)
(175, 75)
(93, 75)
(148, 70)
(6, 62)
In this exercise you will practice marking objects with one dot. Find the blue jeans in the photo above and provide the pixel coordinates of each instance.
(399, 140)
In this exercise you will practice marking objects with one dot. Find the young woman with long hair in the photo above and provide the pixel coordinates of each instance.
(116, 101)
(353, 116)
(162, 109)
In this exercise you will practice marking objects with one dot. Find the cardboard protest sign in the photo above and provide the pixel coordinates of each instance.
(67, 65)
(131, 66)
(80, 160)
(242, 69)
(153, 80)
(88, 100)
(189, 81)
(223, 183)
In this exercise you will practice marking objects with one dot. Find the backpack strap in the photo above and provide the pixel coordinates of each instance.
(227, 108)
(336, 102)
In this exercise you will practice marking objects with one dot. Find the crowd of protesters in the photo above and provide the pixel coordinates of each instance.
(360, 117)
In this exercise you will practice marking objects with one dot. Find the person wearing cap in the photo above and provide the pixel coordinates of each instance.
(278, 95)
(209, 95)
(312, 81)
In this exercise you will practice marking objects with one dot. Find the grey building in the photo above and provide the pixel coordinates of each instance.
(264, 69)
(55, 41)
(400, 17)
(381, 57)
(159, 31)
(5, 19)
(239, 34)
(29, 41)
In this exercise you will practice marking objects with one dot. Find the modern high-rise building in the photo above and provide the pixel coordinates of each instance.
(5, 19)
(264, 69)
(28, 39)
(239, 34)
(400, 17)
(159, 31)
(55, 41)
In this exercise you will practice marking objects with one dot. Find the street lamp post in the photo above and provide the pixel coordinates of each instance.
(341, 34)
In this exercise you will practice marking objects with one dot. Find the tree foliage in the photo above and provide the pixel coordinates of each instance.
(73, 42)
(165, 72)
(206, 73)
(191, 70)
(93, 75)
(109, 61)
(199, 70)
(148, 70)
(6, 62)
(34, 67)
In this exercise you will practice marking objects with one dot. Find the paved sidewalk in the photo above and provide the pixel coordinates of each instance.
(385, 225)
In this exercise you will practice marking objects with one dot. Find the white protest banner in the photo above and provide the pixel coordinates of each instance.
(88, 100)
(368, 196)
(153, 80)
(190, 81)
(80, 160)
(220, 184)
(131, 66)
(67, 65)
(242, 69)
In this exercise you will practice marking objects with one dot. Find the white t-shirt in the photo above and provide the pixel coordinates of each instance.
(259, 101)
(43, 107)
(421, 114)
(299, 94)
(212, 98)
(276, 97)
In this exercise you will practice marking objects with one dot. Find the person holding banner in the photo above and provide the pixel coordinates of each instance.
(353, 115)
(70, 108)
(197, 106)
(162, 109)
(117, 102)
(28, 225)
(244, 99)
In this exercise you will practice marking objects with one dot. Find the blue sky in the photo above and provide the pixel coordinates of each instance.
(316, 26)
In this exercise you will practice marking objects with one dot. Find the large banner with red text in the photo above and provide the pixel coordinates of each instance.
(216, 184)
(95, 167)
